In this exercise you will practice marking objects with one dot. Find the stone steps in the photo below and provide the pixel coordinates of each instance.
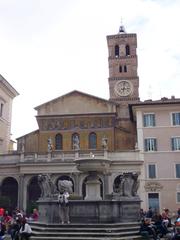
(89, 238)
(116, 231)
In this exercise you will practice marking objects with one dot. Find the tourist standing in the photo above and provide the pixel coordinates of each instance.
(64, 206)
(35, 214)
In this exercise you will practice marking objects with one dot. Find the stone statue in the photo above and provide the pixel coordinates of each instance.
(65, 185)
(22, 146)
(50, 146)
(128, 185)
(46, 186)
(76, 144)
(121, 186)
(136, 184)
(128, 182)
(104, 143)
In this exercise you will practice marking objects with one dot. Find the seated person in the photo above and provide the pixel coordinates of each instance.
(166, 218)
(14, 229)
(2, 230)
(160, 226)
(148, 228)
(177, 222)
(177, 234)
(25, 230)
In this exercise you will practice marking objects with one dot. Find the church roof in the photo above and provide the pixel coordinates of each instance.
(76, 92)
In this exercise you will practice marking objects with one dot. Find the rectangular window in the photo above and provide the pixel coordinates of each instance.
(149, 120)
(178, 197)
(175, 143)
(177, 170)
(176, 118)
(150, 144)
(1, 109)
(152, 171)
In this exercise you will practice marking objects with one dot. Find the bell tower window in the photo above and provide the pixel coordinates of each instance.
(116, 51)
(125, 68)
(120, 68)
(127, 50)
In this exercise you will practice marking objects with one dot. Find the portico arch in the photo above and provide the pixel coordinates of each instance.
(9, 188)
(33, 192)
(116, 183)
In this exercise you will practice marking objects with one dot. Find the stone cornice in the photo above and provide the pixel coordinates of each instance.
(124, 35)
(122, 57)
(123, 78)
(11, 91)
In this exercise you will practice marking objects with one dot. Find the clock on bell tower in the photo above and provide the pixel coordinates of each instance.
(123, 78)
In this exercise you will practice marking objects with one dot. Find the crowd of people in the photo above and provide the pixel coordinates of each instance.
(158, 225)
(154, 224)
(16, 224)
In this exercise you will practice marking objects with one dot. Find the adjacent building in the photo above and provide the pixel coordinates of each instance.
(7, 94)
(158, 139)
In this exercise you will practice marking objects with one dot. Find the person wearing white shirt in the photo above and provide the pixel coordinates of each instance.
(25, 230)
(64, 206)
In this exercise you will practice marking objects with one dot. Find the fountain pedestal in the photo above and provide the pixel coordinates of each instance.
(93, 166)
(93, 186)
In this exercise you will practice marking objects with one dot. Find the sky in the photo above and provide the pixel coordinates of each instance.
(51, 47)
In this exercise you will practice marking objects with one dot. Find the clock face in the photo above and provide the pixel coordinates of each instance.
(123, 88)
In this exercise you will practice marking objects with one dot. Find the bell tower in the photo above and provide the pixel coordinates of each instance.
(123, 77)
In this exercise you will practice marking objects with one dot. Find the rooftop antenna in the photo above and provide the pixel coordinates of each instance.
(121, 21)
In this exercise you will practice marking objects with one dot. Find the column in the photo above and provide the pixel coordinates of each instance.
(20, 191)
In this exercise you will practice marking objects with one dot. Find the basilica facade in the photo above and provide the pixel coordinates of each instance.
(78, 125)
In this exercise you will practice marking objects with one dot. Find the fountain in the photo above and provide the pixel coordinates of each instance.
(121, 206)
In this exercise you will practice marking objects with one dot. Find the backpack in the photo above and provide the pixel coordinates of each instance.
(63, 199)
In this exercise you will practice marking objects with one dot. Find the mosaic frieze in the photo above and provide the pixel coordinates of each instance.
(67, 124)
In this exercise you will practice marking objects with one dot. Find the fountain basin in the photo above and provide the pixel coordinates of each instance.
(93, 164)
(81, 211)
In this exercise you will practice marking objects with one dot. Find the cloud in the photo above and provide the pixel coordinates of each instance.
(49, 48)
